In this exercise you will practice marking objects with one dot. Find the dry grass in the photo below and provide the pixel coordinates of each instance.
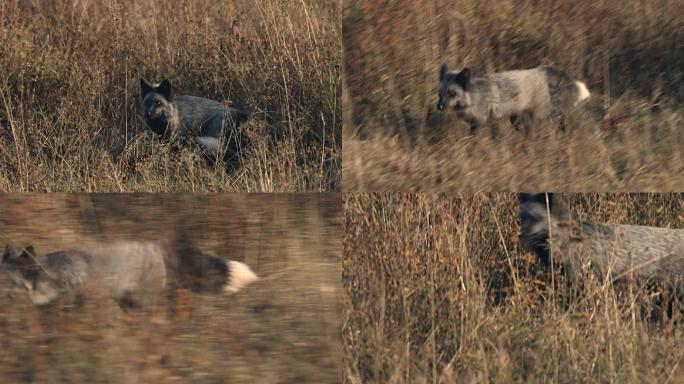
(438, 290)
(69, 92)
(284, 328)
(627, 137)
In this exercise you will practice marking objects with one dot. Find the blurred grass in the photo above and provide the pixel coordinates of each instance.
(437, 289)
(626, 138)
(284, 328)
(69, 92)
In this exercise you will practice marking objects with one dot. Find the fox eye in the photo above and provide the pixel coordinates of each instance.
(157, 102)
(451, 93)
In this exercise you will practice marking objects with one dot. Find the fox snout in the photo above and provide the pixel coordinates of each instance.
(152, 114)
(458, 105)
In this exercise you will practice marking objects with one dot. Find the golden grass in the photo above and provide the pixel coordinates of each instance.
(69, 92)
(283, 328)
(626, 138)
(438, 289)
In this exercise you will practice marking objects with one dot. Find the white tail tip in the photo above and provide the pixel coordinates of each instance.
(583, 91)
(210, 144)
(239, 276)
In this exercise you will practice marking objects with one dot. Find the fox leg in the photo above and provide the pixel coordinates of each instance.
(515, 121)
(561, 123)
(522, 120)
(495, 129)
(128, 302)
(179, 303)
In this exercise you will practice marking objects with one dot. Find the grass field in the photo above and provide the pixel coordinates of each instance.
(284, 328)
(438, 290)
(627, 137)
(70, 104)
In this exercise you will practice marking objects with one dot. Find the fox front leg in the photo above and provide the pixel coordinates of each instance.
(474, 123)
(494, 133)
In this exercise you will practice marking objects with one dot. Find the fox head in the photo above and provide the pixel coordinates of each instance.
(27, 274)
(156, 99)
(20, 265)
(539, 213)
(453, 89)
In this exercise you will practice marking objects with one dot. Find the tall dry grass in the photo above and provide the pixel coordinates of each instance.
(627, 137)
(284, 328)
(69, 92)
(438, 289)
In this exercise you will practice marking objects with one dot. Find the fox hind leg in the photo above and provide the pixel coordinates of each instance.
(561, 123)
(522, 122)
(128, 302)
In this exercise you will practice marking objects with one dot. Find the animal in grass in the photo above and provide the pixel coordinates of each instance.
(520, 95)
(609, 251)
(213, 126)
(131, 272)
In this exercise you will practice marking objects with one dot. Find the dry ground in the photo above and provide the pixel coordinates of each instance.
(628, 137)
(437, 289)
(284, 328)
(69, 92)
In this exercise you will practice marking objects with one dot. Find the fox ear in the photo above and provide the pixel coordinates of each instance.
(539, 198)
(28, 251)
(443, 71)
(8, 253)
(463, 78)
(165, 89)
(145, 87)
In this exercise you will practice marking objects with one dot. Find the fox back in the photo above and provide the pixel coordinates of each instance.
(608, 250)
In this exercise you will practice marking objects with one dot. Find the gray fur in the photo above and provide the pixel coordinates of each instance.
(182, 117)
(537, 93)
(608, 250)
(563, 91)
(128, 271)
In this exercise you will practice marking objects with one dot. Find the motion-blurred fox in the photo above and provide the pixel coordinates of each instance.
(520, 95)
(132, 273)
(610, 251)
(212, 125)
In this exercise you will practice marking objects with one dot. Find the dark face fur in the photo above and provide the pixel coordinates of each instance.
(453, 89)
(20, 265)
(155, 99)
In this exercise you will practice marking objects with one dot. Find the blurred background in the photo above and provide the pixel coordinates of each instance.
(284, 328)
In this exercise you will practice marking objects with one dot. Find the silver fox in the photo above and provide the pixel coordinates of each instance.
(610, 251)
(520, 95)
(181, 117)
(128, 271)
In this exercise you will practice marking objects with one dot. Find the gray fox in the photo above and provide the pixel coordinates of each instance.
(213, 125)
(520, 95)
(611, 251)
(131, 272)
